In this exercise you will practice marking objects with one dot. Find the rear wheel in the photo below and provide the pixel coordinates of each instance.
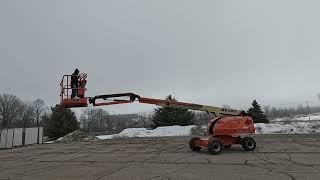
(248, 144)
(214, 146)
(192, 144)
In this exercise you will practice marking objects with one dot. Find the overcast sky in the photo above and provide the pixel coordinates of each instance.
(208, 52)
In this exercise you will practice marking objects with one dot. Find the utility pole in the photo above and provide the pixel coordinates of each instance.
(308, 109)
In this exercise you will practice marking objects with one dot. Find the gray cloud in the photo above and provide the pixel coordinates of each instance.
(211, 52)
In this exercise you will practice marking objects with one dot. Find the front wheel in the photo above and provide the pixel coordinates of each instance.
(192, 144)
(248, 144)
(214, 146)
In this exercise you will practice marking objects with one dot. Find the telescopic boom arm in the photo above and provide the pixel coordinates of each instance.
(110, 99)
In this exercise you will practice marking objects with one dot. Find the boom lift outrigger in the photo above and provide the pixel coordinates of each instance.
(228, 128)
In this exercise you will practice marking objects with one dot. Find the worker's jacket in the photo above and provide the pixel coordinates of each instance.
(74, 81)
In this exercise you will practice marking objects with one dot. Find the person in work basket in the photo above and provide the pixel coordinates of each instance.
(75, 83)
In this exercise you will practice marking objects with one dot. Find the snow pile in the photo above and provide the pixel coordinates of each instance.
(76, 136)
(306, 118)
(261, 128)
(313, 117)
(293, 128)
(158, 132)
(297, 125)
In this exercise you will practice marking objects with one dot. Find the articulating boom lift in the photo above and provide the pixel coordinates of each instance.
(228, 128)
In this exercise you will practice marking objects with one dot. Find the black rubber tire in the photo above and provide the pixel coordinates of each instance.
(192, 144)
(214, 146)
(248, 144)
(227, 146)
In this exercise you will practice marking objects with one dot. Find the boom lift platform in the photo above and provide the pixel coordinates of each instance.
(65, 94)
(228, 128)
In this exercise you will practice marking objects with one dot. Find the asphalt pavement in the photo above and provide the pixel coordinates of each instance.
(289, 157)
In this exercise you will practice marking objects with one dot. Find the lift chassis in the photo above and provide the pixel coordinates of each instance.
(230, 126)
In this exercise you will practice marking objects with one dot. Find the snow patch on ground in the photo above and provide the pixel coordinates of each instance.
(313, 117)
(306, 118)
(261, 128)
(299, 124)
(158, 132)
(292, 128)
(49, 142)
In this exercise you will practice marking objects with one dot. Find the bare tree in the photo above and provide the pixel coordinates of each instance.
(102, 117)
(226, 106)
(86, 118)
(94, 119)
(27, 114)
(10, 106)
(267, 111)
(39, 110)
(202, 118)
(112, 124)
(145, 120)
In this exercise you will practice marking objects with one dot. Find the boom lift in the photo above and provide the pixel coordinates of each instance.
(228, 128)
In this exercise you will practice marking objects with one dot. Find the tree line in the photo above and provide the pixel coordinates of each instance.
(273, 112)
(16, 113)
(20, 114)
(99, 120)
(57, 121)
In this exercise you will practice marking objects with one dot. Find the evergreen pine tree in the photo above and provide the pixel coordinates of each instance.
(168, 116)
(61, 122)
(256, 113)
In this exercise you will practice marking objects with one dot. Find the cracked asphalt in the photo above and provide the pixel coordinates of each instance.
(278, 157)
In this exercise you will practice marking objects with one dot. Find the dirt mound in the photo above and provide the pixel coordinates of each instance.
(77, 136)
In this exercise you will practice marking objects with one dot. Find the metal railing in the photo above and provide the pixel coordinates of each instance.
(66, 87)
